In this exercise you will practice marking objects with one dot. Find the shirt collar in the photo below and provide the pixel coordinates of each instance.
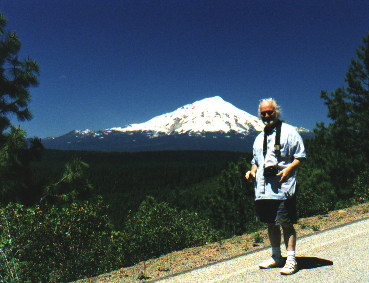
(273, 129)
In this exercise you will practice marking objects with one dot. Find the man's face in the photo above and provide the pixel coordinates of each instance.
(268, 114)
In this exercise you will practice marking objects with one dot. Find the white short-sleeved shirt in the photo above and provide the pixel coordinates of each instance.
(292, 147)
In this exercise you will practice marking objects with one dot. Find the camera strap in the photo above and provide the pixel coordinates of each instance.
(277, 142)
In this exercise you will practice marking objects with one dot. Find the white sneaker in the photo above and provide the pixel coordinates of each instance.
(272, 262)
(289, 268)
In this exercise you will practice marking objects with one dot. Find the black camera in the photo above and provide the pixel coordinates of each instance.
(270, 171)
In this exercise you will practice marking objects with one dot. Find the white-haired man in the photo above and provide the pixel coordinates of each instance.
(278, 151)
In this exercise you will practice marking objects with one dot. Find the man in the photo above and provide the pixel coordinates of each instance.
(274, 172)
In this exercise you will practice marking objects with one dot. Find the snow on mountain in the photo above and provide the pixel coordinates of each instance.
(207, 115)
(207, 124)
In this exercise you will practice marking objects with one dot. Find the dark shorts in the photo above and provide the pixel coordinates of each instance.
(279, 212)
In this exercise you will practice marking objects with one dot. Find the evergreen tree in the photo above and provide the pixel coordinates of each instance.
(16, 76)
(73, 186)
(348, 106)
(16, 155)
(338, 148)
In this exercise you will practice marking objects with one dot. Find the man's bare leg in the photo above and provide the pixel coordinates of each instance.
(274, 232)
(289, 235)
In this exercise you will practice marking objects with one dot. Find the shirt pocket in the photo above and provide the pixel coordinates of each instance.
(285, 150)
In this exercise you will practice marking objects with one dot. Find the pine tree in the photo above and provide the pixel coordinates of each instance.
(16, 77)
(16, 155)
(348, 106)
(73, 186)
(341, 149)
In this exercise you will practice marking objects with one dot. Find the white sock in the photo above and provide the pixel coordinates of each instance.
(276, 252)
(291, 255)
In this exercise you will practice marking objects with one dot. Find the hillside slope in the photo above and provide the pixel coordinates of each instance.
(191, 258)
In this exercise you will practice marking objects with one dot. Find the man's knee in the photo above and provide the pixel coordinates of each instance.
(288, 228)
(272, 228)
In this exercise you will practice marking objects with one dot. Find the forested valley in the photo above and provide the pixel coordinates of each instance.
(68, 215)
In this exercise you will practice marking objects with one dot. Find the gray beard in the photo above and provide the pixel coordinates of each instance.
(269, 123)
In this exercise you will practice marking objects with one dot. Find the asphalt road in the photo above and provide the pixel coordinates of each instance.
(335, 255)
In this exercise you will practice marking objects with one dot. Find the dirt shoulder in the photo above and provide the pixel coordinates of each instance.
(191, 258)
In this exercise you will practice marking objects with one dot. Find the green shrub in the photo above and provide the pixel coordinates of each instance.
(258, 238)
(316, 194)
(315, 227)
(56, 244)
(361, 187)
(157, 229)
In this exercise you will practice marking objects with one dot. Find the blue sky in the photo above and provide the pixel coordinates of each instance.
(108, 63)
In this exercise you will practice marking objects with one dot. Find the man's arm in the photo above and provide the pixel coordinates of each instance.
(287, 172)
(251, 175)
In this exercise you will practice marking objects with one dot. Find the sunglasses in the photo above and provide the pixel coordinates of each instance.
(270, 113)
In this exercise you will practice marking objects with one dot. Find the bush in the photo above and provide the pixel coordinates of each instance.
(157, 229)
(56, 244)
(231, 203)
(316, 194)
(361, 187)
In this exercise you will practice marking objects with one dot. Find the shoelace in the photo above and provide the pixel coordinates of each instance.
(290, 264)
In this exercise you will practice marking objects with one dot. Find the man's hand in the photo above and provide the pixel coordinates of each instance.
(250, 176)
(285, 174)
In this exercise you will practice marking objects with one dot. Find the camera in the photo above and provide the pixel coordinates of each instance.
(270, 171)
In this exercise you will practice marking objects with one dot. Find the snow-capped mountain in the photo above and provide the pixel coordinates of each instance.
(208, 115)
(208, 124)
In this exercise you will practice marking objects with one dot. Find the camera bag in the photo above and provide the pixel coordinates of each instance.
(277, 142)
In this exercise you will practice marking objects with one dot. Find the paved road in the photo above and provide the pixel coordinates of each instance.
(336, 255)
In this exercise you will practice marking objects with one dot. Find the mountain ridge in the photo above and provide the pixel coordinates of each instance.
(207, 124)
(210, 115)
